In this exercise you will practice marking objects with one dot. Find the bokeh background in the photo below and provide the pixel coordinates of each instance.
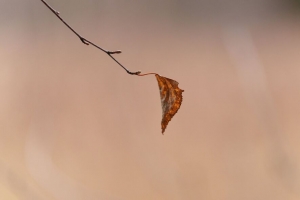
(74, 125)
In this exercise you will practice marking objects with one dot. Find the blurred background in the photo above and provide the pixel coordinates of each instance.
(74, 125)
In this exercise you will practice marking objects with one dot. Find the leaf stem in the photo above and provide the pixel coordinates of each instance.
(87, 42)
(147, 74)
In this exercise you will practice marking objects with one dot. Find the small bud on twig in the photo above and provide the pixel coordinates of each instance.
(114, 52)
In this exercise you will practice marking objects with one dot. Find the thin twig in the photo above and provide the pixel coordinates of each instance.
(87, 42)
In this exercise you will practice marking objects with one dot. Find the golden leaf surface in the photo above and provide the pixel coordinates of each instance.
(171, 98)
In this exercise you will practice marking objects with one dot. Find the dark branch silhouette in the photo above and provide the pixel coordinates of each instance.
(87, 42)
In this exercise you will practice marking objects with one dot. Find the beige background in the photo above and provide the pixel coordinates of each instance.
(74, 125)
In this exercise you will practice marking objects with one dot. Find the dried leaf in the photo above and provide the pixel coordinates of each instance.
(171, 98)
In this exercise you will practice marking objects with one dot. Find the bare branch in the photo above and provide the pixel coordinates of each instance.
(87, 42)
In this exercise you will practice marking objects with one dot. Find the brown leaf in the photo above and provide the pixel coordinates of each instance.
(171, 98)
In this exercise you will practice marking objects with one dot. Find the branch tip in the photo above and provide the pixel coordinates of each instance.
(134, 73)
(87, 42)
